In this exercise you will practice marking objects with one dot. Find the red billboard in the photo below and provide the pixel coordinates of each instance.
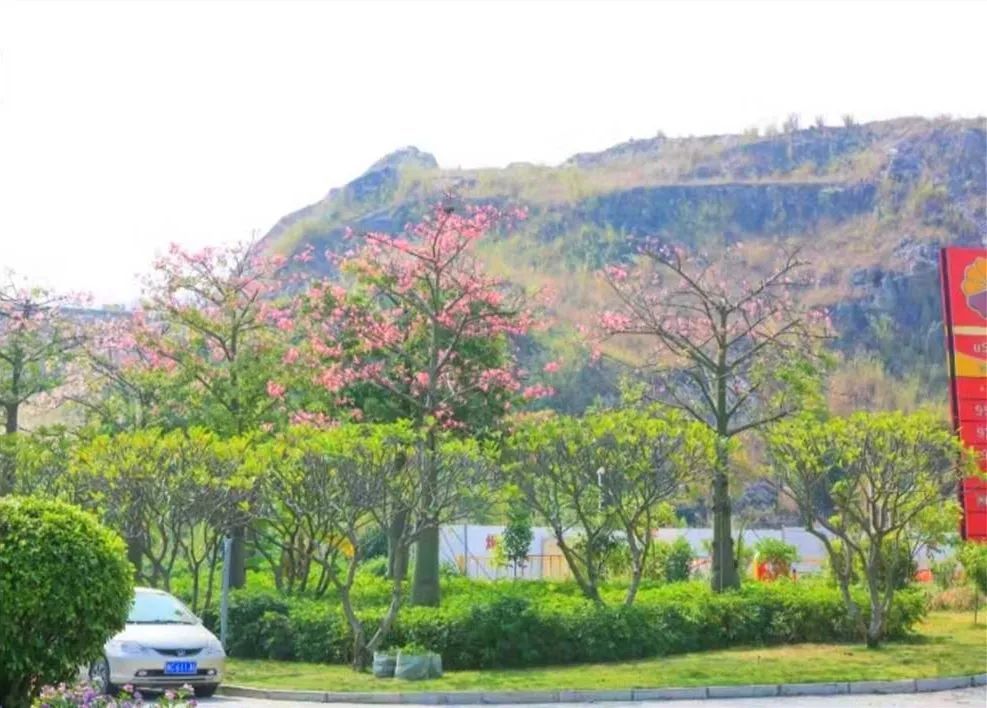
(964, 293)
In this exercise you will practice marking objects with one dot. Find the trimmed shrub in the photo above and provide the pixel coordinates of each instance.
(510, 624)
(248, 610)
(65, 588)
(677, 560)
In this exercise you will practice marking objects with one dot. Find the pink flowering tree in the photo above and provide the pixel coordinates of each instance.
(736, 355)
(424, 333)
(119, 383)
(209, 318)
(37, 339)
(211, 321)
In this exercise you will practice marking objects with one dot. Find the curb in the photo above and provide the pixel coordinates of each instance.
(831, 688)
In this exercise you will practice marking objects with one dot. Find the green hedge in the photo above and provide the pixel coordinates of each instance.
(509, 624)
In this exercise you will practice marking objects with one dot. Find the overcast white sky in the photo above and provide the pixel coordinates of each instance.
(124, 127)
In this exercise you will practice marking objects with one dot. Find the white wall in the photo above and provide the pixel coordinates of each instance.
(457, 541)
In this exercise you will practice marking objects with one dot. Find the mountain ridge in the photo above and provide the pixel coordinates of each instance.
(870, 204)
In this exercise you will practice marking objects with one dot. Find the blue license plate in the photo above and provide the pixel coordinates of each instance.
(180, 667)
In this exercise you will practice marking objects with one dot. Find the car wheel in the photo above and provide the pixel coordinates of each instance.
(206, 690)
(99, 676)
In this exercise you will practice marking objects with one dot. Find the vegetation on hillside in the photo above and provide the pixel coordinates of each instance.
(868, 204)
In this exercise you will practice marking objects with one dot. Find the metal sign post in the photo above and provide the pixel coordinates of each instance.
(224, 602)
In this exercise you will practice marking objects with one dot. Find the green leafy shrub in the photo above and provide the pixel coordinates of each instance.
(899, 567)
(276, 632)
(677, 560)
(321, 634)
(414, 649)
(374, 544)
(512, 624)
(744, 554)
(944, 571)
(973, 556)
(376, 566)
(776, 553)
(65, 588)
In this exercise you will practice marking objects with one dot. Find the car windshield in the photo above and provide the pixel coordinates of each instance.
(157, 608)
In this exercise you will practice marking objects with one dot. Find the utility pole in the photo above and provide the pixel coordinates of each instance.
(224, 603)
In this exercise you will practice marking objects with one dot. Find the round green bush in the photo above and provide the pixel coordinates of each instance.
(65, 588)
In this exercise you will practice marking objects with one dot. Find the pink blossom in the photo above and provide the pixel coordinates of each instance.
(615, 321)
(538, 391)
(315, 420)
(332, 379)
(616, 273)
(275, 390)
(551, 367)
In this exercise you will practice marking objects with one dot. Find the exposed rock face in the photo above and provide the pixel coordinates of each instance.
(762, 209)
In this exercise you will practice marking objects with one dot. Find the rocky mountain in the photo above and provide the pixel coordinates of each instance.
(869, 204)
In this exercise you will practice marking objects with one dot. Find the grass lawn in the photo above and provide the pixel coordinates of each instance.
(947, 644)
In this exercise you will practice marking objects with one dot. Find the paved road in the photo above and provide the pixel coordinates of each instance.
(947, 699)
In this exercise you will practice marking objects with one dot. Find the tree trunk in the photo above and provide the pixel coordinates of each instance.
(12, 410)
(638, 556)
(723, 571)
(238, 558)
(425, 587)
(135, 554)
(8, 464)
(359, 647)
(585, 583)
(853, 609)
(632, 588)
(15, 692)
(6, 476)
(385, 624)
(397, 553)
(875, 628)
(359, 650)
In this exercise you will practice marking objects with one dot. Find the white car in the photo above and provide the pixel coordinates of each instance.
(163, 646)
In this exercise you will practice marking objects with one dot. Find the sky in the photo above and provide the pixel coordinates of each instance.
(127, 126)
